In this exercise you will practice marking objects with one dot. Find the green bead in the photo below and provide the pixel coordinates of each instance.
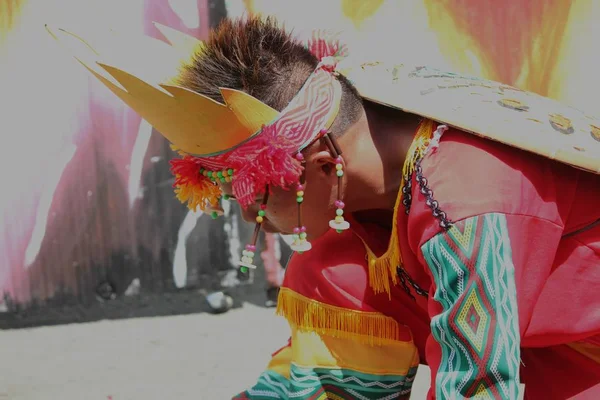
(339, 173)
(226, 197)
(303, 235)
(214, 215)
(202, 170)
(299, 199)
(339, 212)
(230, 172)
(261, 213)
(244, 269)
(295, 236)
(220, 174)
(338, 230)
(222, 179)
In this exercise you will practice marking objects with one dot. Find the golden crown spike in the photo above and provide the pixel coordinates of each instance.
(188, 45)
(192, 122)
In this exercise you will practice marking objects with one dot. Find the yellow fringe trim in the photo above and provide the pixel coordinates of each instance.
(313, 316)
(382, 270)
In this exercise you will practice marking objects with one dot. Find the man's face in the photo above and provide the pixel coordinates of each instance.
(320, 190)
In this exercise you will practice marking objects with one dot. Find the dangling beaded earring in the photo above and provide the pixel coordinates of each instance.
(338, 223)
(300, 243)
(247, 260)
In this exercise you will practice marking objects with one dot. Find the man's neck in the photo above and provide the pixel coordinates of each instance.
(378, 157)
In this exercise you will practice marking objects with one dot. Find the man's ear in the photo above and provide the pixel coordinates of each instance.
(323, 162)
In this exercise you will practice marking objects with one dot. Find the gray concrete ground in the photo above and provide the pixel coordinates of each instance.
(195, 356)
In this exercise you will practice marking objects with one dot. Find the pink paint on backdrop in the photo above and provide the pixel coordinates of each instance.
(89, 218)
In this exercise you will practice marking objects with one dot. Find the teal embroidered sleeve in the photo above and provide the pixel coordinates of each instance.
(476, 322)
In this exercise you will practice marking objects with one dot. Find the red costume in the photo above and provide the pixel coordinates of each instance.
(517, 268)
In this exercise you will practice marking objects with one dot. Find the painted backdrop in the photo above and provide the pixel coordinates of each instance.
(88, 210)
(87, 197)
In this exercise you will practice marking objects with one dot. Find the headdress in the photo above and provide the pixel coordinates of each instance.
(241, 141)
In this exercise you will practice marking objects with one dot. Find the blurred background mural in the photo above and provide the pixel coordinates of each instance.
(90, 213)
(87, 213)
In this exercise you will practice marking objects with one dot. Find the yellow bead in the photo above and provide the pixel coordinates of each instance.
(300, 193)
(259, 219)
(227, 179)
(339, 219)
(339, 166)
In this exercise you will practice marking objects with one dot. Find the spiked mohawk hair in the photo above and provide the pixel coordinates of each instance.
(259, 57)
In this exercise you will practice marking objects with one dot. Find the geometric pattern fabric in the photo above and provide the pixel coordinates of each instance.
(478, 330)
(329, 383)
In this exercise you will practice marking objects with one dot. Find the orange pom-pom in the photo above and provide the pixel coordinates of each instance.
(191, 186)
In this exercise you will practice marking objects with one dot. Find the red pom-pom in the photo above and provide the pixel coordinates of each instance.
(186, 171)
(191, 186)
